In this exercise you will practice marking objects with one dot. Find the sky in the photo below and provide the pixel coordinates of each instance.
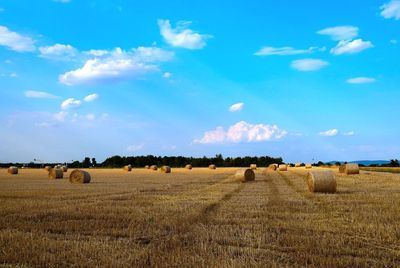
(303, 80)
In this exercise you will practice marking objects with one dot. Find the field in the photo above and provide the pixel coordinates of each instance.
(198, 218)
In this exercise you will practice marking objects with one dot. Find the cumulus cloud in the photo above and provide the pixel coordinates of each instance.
(351, 47)
(116, 65)
(361, 80)
(70, 103)
(339, 33)
(329, 133)
(39, 94)
(58, 52)
(283, 51)
(182, 36)
(16, 41)
(236, 107)
(391, 10)
(308, 65)
(91, 97)
(242, 132)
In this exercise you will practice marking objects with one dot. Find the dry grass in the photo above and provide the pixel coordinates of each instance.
(198, 218)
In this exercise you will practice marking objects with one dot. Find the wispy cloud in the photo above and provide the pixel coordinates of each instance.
(283, 51)
(242, 132)
(62, 1)
(16, 41)
(167, 75)
(351, 47)
(361, 80)
(339, 33)
(391, 10)
(135, 147)
(91, 97)
(308, 65)
(236, 107)
(39, 94)
(58, 52)
(70, 103)
(182, 36)
(329, 133)
(350, 133)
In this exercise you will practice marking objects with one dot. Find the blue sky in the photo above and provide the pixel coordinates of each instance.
(305, 81)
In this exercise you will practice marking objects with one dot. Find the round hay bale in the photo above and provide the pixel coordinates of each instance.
(12, 170)
(253, 166)
(47, 168)
(165, 169)
(352, 169)
(308, 166)
(147, 167)
(64, 168)
(282, 167)
(273, 167)
(322, 181)
(57, 166)
(153, 167)
(212, 166)
(342, 168)
(245, 175)
(297, 165)
(79, 176)
(128, 168)
(56, 173)
(188, 166)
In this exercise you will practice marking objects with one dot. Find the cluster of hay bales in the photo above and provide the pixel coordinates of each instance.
(165, 169)
(321, 181)
(56, 173)
(79, 176)
(128, 168)
(308, 166)
(253, 166)
(245, 175)
(188, 166)
(349, 169)
(297, 165)
(273, 167)
(13, 170)
(153, 167)
(212, 166)
(282, 167)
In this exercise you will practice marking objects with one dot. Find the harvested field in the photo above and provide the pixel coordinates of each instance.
(198, 217)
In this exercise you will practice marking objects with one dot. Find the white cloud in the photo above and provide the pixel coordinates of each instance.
(62, 1)
(70, 103)
(167, 75)
(97, 52)
(135, 148)
(361, 80)
(393, 41)
(15, 41)
(90, 116)
(236, 107)
(60, 116)
(329, 133)
(308, 65)
(339, 33)
(182, 36)
(39, 94)
(283, 51)
(58, 52)
(91, 97)
(350, 133)
(391, 10)
(116, 65)
(242, 132)
(351, 47)
(13, 75)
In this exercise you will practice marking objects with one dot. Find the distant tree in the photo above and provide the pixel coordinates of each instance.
(86, 162)
(394, 163)
(94, 163)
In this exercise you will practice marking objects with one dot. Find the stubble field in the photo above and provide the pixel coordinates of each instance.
(198, 218)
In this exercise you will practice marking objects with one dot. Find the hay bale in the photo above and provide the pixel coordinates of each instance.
(57, 166)
(282, 167)
(12, 170)
(153, 167)
(128, 168)
(212, 166)
(245, 175)
(297, 165)
(322, 181)
(273, 167)
(253, 166)
(56, 173)
(342, 168)
(352, 169)
(147, 167)
(165, 169)
(47, 168)
(308, 166)
(188, 166)
(64, 168)
(79, 176)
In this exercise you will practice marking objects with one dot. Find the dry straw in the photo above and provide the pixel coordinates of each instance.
(56, 173)
(352, 169)
(308, 166)
(64, 168)
(297, 165)
(147, 167)
(282, 168)
(273, 166)
(342, 168)
(322, 181)
(245, 175)
(153, 167)
(79, 176)
(253, 166)
(188, 166)
(165, 169)
(128, 168)
(47, 168)
(212, 166)
(13, 170)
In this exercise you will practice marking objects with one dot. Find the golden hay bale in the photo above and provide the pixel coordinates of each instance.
(188, 166)
(57, 166)
(244, 175)
(282, 167)
(253, 166)
(297, 165)
(308, 166)
(165, 169)
(342, 168)
(79, 176)
(13, 170)
(352, 169)
(212, 166)
(64, 168)
(128, 168)
(56, 173)
(153, 167)
(322, 181)
(273, 167)
(47, 168)
(147, 167)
